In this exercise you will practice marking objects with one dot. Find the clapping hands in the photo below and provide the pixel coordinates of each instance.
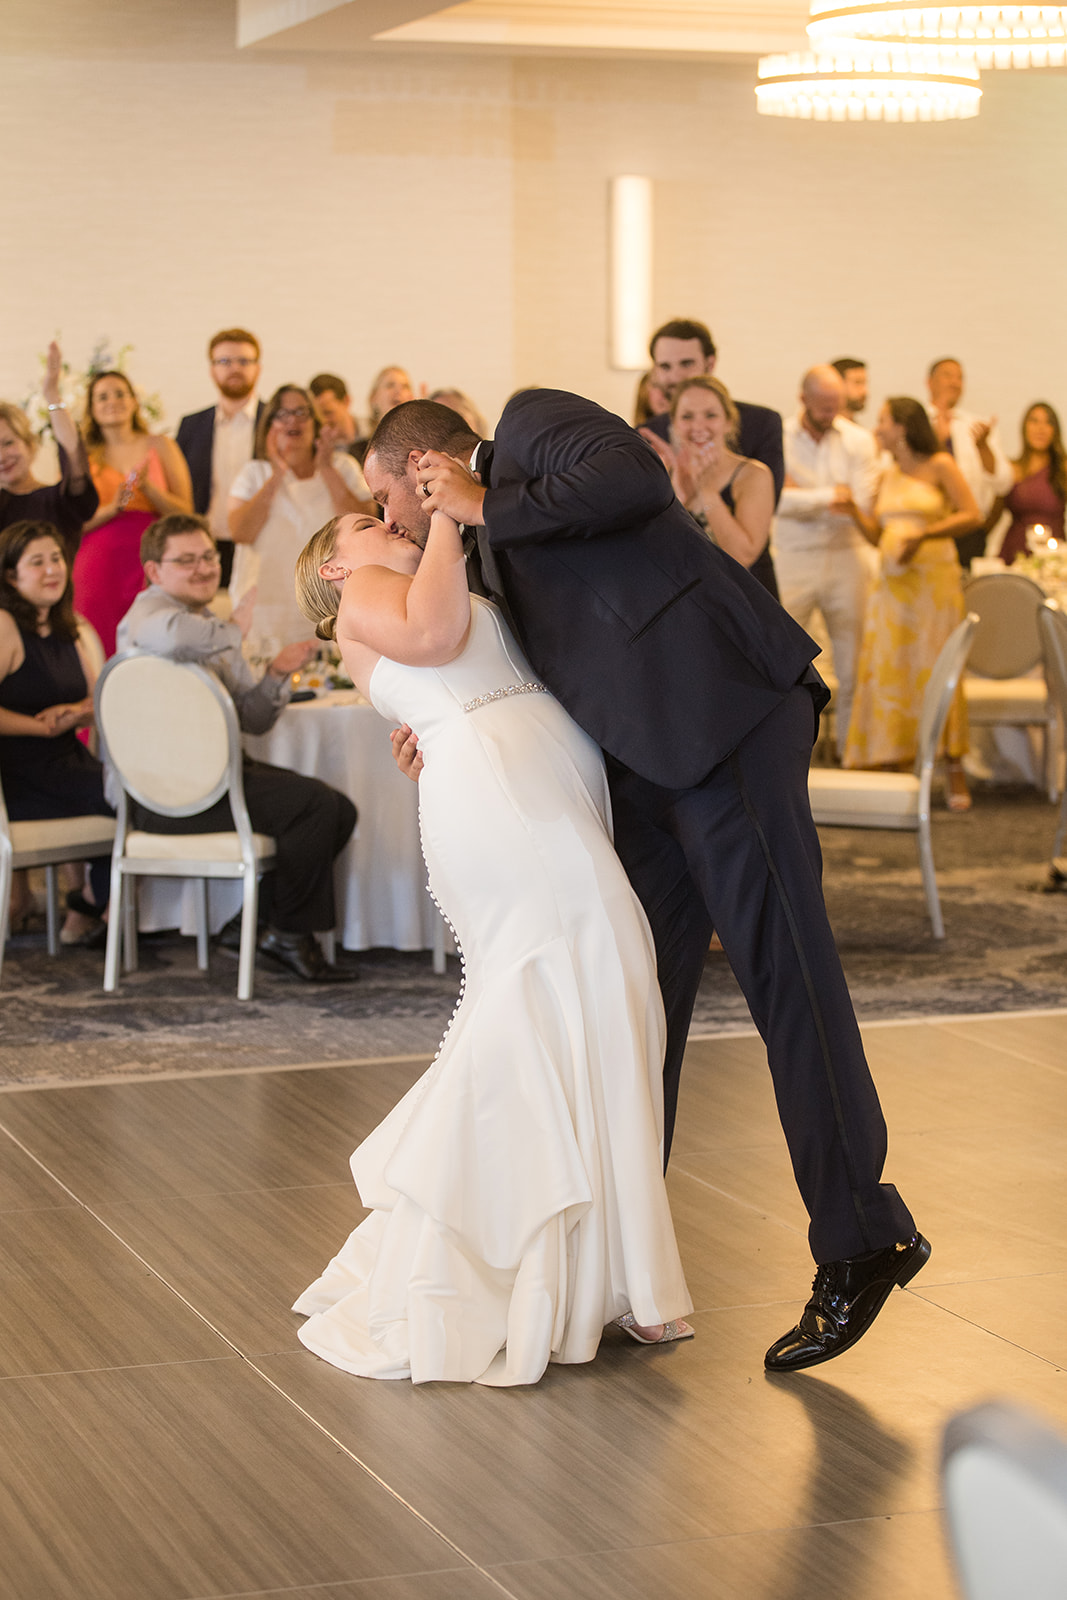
(327, 442)
(60, 719)
(53, 366)
(293, 658)
(273, 449)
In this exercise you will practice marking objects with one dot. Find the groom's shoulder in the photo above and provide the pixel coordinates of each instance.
(553, 408)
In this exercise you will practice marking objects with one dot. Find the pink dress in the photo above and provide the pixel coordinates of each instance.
(107, 569)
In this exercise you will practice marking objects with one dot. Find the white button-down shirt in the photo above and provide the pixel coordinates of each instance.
(235, 439)
(846, 454)
(985, 486)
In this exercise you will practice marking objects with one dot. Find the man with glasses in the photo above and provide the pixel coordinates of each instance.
(218, 441)
(309, 821)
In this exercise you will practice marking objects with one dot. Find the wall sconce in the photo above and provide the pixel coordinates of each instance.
(631, 272)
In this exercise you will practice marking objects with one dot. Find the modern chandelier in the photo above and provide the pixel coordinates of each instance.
(852, 81)
(906, 60)
(991, 35)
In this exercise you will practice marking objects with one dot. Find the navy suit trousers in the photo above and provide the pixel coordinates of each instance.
(740, 852)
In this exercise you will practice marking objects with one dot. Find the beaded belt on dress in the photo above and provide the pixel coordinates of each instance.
(502, 694)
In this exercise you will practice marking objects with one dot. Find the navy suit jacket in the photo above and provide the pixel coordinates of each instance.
(196, 441)
(660, 645)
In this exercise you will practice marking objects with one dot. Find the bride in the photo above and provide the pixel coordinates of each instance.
(516, 1194)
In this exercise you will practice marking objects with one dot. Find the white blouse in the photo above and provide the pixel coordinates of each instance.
(299, 509)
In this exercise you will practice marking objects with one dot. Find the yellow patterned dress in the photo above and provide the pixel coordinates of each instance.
(911, 611)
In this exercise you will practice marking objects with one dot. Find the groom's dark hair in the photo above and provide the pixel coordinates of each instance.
(419, 425)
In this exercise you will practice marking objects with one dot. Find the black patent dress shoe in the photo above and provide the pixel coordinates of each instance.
(229, 935)
(845, 1299)
(302, 954)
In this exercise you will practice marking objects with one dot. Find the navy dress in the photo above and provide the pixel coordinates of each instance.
(51, 777)
(67, 508)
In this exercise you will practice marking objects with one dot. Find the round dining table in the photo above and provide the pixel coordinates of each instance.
(380, 876)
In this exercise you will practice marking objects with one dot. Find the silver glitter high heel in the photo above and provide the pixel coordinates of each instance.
(671, 1330)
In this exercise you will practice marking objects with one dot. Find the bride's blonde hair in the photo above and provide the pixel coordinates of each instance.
(317, 598)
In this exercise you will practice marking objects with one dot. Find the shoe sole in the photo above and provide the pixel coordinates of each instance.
(903, 1278)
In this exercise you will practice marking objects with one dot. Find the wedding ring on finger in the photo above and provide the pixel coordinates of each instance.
(427, 491)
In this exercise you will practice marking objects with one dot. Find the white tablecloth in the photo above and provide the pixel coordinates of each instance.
(380, 876)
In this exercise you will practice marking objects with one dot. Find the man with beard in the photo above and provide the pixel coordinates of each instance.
(683, 349)
(699, 688)
(218, 441)
(853, 374)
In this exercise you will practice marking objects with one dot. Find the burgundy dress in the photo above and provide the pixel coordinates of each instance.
(1032, 500)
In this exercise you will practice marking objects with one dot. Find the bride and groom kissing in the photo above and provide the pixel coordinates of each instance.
(515, 1193)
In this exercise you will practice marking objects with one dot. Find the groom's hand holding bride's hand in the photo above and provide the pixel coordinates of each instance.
(452, 488)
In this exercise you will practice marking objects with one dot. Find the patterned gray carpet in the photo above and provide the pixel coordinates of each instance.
(1006, 949)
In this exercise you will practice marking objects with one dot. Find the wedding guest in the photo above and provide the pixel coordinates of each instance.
(729, 495)
(684, 349)
(296, 482)
(1039, 493)
(390, 388)
(333, 407)
(922, 507)
(68, 504)
(138, 476)
(853, 374)
(457, 401)
(218, 441)
(46, 684)
(822, 559)
(972, 441)
(651, 400)
(309, 821)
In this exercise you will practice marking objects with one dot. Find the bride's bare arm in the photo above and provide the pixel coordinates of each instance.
(420, 621)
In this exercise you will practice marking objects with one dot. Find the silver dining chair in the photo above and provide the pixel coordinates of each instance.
(47, 843)
(170, 735)
(93, 651)
(1052, 625)
(1000, 687)
(1005, 1481)
(900, 800)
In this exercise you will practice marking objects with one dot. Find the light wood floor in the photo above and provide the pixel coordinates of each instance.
(163, 1434)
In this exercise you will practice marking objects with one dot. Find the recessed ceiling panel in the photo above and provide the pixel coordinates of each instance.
(628, 27)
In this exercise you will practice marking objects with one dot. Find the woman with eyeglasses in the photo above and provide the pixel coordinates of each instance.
(297, 480)
(46, 684)
(139, 476)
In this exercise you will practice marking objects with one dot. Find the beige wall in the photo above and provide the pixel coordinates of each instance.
(450, 214)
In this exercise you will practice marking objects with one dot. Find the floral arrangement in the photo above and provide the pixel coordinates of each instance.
(73, 386)
(1047, 566)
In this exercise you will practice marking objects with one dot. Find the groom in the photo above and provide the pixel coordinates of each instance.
(701, 692)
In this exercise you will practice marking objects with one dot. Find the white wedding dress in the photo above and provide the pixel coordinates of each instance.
(516, 1196)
